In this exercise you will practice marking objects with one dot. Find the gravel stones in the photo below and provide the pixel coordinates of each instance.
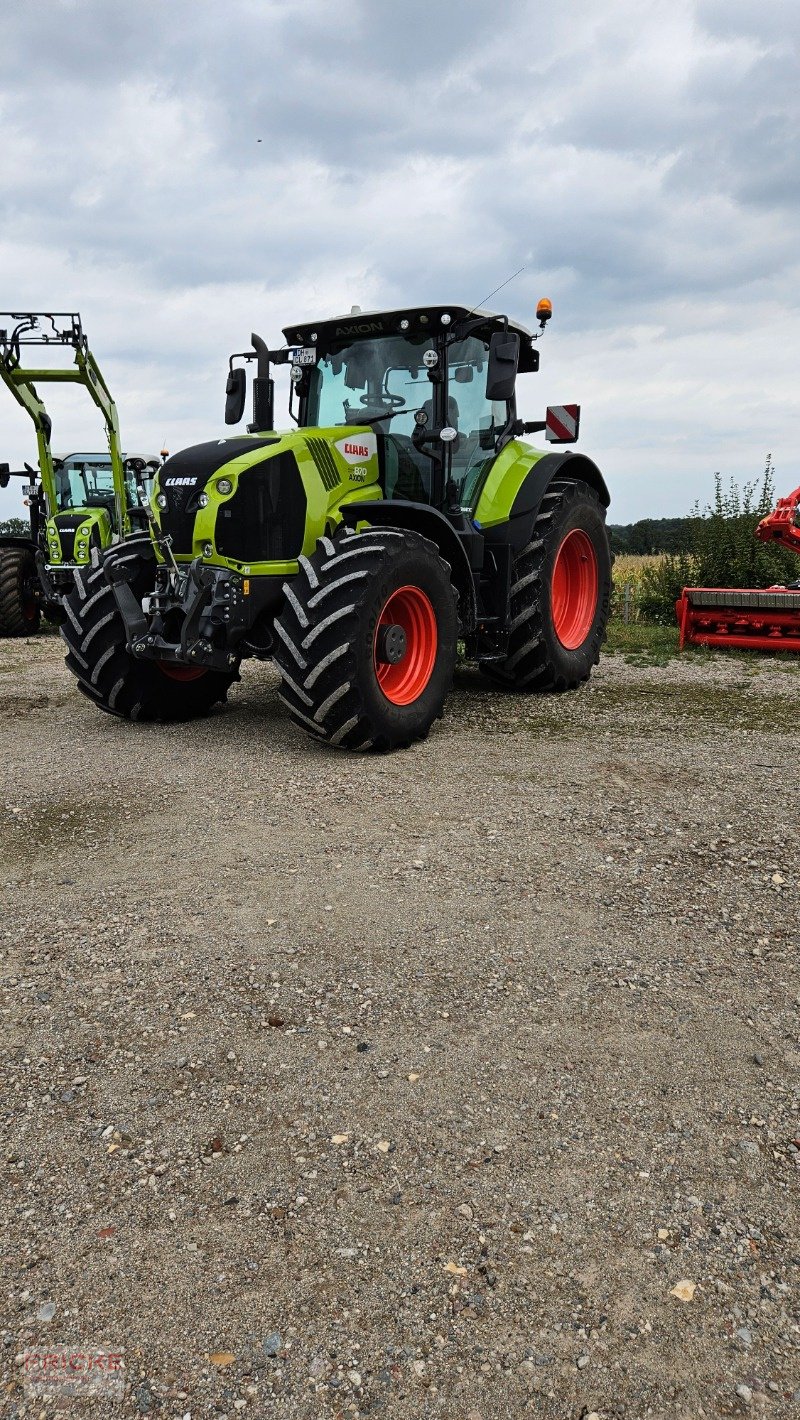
(560, 1115)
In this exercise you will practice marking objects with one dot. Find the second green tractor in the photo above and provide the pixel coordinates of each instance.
(78, 504)
(402, 515)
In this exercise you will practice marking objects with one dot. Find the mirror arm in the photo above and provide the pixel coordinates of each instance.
(528, 426)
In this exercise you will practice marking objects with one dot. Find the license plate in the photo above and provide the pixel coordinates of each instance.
(306, 355)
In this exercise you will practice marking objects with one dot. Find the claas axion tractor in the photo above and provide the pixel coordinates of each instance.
(401, 515)
(78, 504)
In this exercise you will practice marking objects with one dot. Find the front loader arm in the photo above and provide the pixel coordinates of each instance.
(24, 392)
(99, 391)
(32, 328)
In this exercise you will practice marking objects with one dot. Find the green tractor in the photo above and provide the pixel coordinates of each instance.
(80, 504)
(402, 515)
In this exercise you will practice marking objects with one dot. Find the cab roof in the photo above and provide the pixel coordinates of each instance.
(96, 457)
(422, 320)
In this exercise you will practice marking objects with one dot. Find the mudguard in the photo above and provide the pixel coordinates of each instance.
(524, 505)
(17, 540)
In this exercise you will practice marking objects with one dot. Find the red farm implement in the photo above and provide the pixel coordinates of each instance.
(767, 620)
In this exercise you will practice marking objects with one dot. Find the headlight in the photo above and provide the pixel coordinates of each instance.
(208, 550)
(202, 501)
(162, 500)
(224, 486)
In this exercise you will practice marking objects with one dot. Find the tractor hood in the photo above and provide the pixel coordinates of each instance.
(255, 501)
(188, 471)
(183, 478)
(71, 535)
(261, 504)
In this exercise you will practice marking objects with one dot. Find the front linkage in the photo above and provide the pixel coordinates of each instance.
(207, 603)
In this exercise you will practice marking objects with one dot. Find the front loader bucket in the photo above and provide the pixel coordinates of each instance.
(740, 620)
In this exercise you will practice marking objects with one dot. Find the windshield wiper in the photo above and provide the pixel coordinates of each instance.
(376, 418)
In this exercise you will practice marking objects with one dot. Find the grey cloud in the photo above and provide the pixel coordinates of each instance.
(633, 157)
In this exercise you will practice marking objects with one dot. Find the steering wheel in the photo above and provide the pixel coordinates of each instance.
(384, 400)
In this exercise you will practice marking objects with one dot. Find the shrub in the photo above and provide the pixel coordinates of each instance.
(724, 551)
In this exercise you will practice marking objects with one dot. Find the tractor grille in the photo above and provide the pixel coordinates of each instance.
(265, 520)
(178, 520)
(67, 528)
(715, 600)
(326, 464)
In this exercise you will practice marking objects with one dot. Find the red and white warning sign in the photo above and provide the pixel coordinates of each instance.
(562, 422)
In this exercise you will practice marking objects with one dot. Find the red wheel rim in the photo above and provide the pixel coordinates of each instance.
(405, 681)
(573, 589)
(173, 671)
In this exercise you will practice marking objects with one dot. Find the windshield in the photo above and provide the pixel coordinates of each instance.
(371, 377)
(84, 483)
(88, 482)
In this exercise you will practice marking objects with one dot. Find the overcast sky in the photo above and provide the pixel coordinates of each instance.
(639, 157)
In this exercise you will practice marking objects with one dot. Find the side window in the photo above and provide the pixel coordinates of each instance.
(469, 405)
(477, 419)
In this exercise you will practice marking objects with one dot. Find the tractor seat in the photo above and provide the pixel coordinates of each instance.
(452, 410)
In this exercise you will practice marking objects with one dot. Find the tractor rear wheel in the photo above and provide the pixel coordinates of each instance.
(560, 595)
(366, 640)
(20, 595)
(98, 656)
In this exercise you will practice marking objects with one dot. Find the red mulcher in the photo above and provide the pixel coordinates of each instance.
(766, 620)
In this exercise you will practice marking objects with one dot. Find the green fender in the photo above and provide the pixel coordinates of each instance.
(510, 498)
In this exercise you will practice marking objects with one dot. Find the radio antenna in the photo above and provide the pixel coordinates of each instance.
(494, 292)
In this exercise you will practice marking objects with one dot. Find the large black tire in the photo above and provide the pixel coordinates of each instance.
(329, 648)
(98, 657)
(20, 594)
(570, 522)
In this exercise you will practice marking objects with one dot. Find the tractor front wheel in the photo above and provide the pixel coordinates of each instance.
(20, 592)
(560, 596)
(366, 640)
(98, 656)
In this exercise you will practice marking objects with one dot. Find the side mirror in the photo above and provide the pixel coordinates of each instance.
(501, 375)
(236, 392)
(5, 475)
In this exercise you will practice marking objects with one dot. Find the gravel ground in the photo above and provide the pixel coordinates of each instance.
(410, 1085)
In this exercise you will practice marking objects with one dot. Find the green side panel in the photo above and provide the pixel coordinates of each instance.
(337, 466)
(92, 518)
(506, 477)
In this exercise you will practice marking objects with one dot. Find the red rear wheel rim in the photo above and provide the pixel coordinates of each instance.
(573, 589)
(173, 671)
(404, 682)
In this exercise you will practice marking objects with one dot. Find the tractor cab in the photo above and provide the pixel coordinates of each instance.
(87, 481)
(84, 481)
(435, 384)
